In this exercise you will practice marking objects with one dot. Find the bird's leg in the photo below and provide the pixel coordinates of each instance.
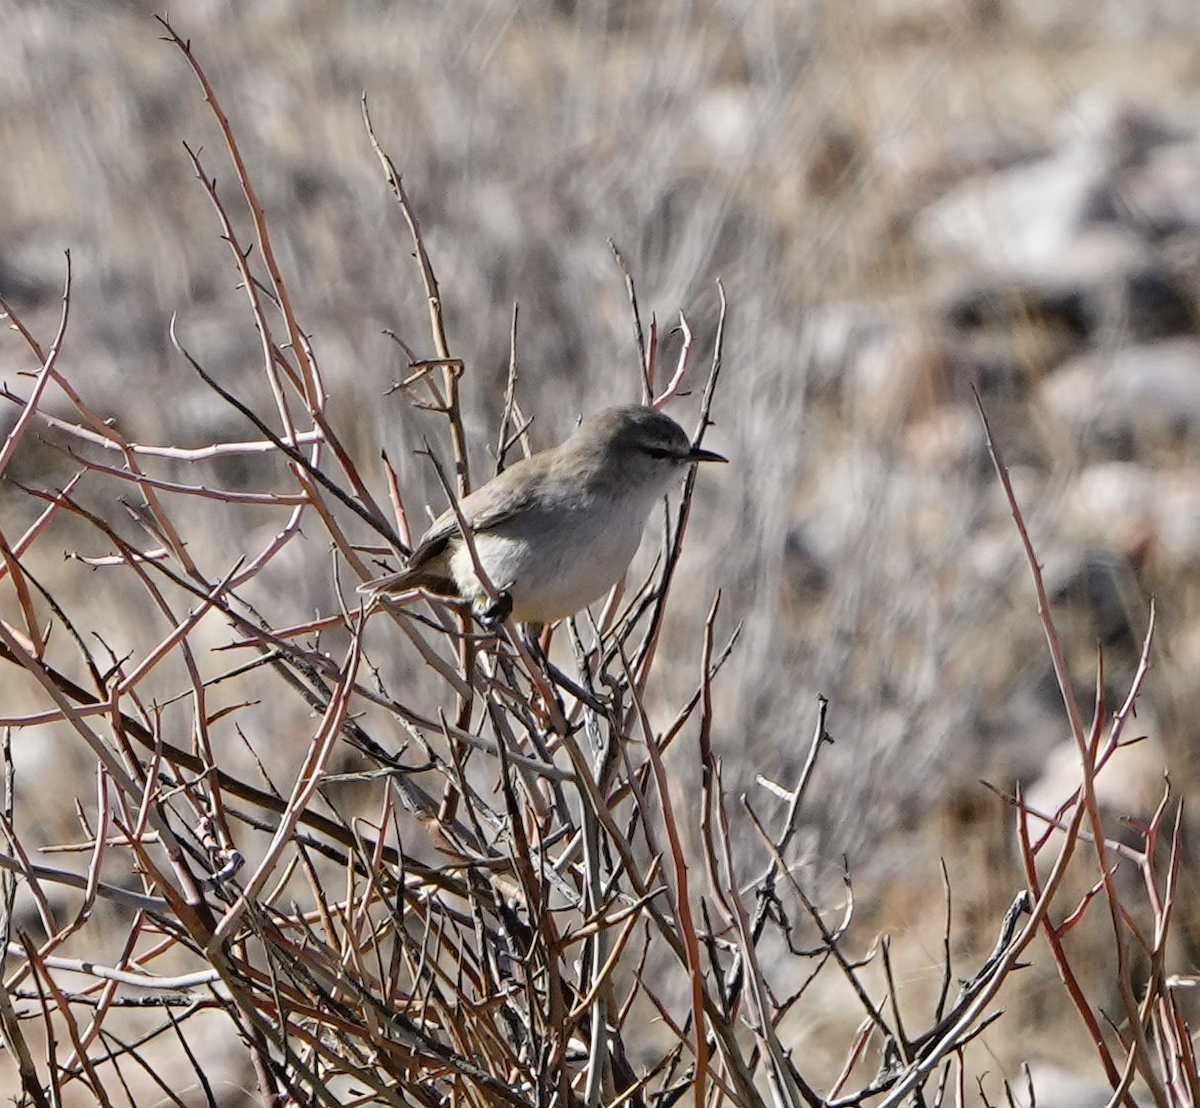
(576, 689)
(531, 635)
(533, 642)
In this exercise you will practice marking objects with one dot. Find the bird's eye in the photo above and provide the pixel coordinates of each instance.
(658, 452)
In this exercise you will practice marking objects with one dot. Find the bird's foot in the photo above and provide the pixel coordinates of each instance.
(497, 611)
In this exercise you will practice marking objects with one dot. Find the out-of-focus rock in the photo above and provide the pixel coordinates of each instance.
(1130, 784)
(832, 522)
(929, 164)
(1162, 193)
(1056, 1086)
(902, 375)
(1113, 501)
(1147, 515)
(1022, 220)
(895, 377)
(1100, 587)
(1091, 242)
(725, 120)
(832, 336)
(1019, 221)
(919, 20)
(1065, 20)
(1105, 282)
(1113, 402)
(804, 577)
(950, 437)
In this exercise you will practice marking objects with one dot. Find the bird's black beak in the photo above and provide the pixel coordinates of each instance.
(696, 454)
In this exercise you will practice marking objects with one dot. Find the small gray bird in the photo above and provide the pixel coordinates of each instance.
(555, 531)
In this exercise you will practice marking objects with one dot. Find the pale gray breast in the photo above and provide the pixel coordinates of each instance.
(555, 559)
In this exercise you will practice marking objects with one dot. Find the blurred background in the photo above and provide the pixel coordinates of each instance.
(904, 200)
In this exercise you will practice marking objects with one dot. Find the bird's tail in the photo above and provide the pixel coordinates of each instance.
(406, 580)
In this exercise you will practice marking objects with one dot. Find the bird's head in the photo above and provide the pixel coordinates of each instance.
(640, 446)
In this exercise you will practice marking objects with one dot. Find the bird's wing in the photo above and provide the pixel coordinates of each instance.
(487, 508)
